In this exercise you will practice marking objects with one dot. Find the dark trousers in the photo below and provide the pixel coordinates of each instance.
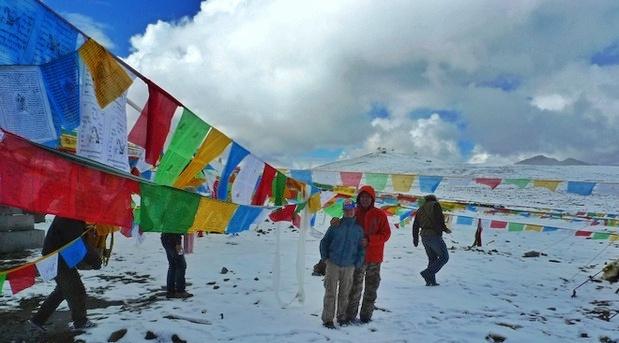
(370, 273)
(69, 287)
(176, 268)
(436, 249)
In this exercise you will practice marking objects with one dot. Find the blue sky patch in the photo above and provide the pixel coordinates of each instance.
(608, 56)
(504, 82)
(466, 147)
(378, 110)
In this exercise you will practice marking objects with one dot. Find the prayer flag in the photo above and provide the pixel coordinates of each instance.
(213, 215)
(237, 154)
(246, 180)
(548, 184)
(264, 189)
(279, 186)
(48, 267)
(302, 175)
(74, 253)
(243, 218)
(109, 78)
(464, 220)
(490, 182)
(515, 227)
(214, 144)
(377, 180)
(520, 183)
(498, 224)
(166, 209)
(21, 278)
(582, 188)
(402, 183)
(351, 179)
(428, 184)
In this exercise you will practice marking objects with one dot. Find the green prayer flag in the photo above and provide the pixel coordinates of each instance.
(520, 183)
(378, 181)
(166, 209)
(189, 133)
(600, 235)
(2, 278)
(335, 210)
(300, 207)
(515, 227)
(279, 187)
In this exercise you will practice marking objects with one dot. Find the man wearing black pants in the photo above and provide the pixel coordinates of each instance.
(69, 285)
(175, 283)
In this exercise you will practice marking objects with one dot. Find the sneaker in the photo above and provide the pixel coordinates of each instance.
(183, 295)
(87, 325)
(427, 278)
(328, 325)
(37, 326)
(365, 320)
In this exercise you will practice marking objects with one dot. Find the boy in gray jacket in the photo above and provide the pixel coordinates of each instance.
(342, 249)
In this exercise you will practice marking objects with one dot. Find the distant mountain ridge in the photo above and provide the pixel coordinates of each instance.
(541, 160)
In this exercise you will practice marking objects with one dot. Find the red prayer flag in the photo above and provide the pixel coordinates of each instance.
(22, 278)
(498, 224)
(490, 182)
(583, 233)
(153, 125)
(286, 214)
(263, 191)
(351, 179)
(38, 180)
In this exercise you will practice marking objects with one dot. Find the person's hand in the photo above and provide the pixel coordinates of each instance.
(335, 221)
(179, 249)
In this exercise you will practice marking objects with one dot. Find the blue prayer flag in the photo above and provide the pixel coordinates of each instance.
(428, 184)
(237, 154)
(74, 253)
(243, 218)
(578, 187)
(463, 220)
(303, 175)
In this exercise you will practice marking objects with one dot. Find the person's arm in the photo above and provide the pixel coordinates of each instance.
(325, 242)
(383, 231)
(416, 227)
(441, 218)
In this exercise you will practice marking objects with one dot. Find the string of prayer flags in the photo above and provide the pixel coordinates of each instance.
(279, 186)
(351, 179)
(214, 144)
(551, 185)
(520, 183)
(428, 184)
(377, 180)
(490, 182)
(153, 124)
(74, 253)
(166, 209)
(48, 267)
(21, 278)
(237, 154)
(582, 188)
(212, 216)
(109, 78)
(402, 183)
(188, 135)
(62, 79)
(243, 218)
(246, 180)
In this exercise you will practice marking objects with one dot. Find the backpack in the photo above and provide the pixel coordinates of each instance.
(96, 238)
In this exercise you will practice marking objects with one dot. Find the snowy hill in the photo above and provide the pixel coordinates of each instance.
(542, 160)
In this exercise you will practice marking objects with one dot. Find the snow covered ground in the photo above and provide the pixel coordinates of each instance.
(485, 291)
(493, 290)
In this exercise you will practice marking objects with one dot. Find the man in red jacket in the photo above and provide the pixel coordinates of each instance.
(376, 232)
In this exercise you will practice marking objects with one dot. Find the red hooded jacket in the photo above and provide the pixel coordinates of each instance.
(375, 226)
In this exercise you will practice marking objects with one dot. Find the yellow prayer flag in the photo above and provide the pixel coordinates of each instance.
(548, 184)
(534, 228)
(402, 183)
(212, 216)
(344, 190)
(313, 203)
(109, 78)
(614, 237)
(68, 142)
(212, 147)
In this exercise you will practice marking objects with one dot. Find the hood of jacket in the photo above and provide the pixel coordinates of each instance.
(368, 189)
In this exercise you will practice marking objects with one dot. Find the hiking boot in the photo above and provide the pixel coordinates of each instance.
(343, 322)
(426, 277)
(37, 326)
(86, 325)
(328, 325)
(182, 295)
(364, 320)
(169, 295)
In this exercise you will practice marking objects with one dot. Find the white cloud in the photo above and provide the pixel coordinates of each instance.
(285, 77)
(92, 28)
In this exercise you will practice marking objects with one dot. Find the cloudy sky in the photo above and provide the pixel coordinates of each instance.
(302, 82)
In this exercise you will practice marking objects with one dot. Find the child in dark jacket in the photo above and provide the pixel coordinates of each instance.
(342, 249)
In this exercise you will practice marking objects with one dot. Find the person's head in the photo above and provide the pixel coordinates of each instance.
(349, 208)
(430, 197)
(366, 197)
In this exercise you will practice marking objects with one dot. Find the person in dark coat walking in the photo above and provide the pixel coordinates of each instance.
(175, 283)
(69, 285)
(431, 221)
